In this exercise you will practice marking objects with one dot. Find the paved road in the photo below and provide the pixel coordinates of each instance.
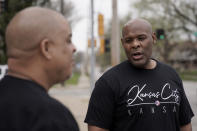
(191, 92)
(76, 98)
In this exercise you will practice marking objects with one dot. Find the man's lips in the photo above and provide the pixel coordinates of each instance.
(137, 55)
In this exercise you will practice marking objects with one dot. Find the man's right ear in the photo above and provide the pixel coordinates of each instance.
(45, 47)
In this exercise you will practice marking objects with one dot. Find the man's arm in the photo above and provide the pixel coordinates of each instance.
(187, 127)
(95, 128)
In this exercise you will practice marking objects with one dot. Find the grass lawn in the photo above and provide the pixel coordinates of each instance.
(74, 79)
(189, 75)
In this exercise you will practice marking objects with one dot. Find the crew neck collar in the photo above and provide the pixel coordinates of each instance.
(142, 69)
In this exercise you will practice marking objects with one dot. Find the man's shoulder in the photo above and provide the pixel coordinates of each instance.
(167, 67)
(25, 94)
(33, 102)
(169, 72)
(116, 70)
(113, 75)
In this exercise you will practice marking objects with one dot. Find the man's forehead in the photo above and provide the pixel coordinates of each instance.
(64, 26)
(135, 35)
(135, 31)
(137, 26)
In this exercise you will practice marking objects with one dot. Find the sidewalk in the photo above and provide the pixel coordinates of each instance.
(76, 98)
(191, 92)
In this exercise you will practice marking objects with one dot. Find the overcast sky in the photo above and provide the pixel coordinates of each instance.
(81, 29)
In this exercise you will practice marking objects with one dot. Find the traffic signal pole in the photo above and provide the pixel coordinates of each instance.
(115, 36)
(92, 57)
(62, 7)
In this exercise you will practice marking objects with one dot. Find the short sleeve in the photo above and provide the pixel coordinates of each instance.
(101, 105)
(185, 112)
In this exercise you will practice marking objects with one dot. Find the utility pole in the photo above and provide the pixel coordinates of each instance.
(62, 7)
(62, 12)
(92, 57)
(115, 37)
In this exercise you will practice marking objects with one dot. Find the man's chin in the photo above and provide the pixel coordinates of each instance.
(65, 78)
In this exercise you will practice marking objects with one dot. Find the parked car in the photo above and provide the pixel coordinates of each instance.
(3, 70)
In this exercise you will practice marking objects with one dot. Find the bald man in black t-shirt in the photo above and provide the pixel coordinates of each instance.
(40, 54)
(141, 93)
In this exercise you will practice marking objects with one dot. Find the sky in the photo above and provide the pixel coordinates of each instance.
(81, 28)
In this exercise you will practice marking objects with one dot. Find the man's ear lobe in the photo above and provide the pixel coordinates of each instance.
(45, 48)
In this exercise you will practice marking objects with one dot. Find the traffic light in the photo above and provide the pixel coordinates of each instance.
(160, 33)
(102, 46)
(3, 5)
(89, 43)
(100, 25)
(107, 45)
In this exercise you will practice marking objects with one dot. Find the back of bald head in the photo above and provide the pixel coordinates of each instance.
(28, 28)
(138, 23)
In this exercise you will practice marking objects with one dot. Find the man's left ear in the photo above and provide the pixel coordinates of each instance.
(45, 47)
(154, 37)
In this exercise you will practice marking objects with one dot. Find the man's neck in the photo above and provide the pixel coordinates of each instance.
(27, 72)
(151, 64)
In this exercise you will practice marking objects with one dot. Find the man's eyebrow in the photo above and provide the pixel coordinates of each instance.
(128, 37)
(141, 35)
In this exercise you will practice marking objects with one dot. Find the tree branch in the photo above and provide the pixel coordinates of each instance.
(183, 15)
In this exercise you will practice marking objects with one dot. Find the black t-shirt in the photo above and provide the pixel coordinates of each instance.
(26, 106)
(126, 98)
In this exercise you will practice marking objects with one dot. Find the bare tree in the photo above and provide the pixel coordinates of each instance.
(13, 6)
(177, 17)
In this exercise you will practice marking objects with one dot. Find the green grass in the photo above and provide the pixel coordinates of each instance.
(74, 79)
(189, 75)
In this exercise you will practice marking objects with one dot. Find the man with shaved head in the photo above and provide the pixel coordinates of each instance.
(141, 93)
(40, 54)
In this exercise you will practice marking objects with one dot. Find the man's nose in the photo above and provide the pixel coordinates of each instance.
(136, 44)
(74, 48)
